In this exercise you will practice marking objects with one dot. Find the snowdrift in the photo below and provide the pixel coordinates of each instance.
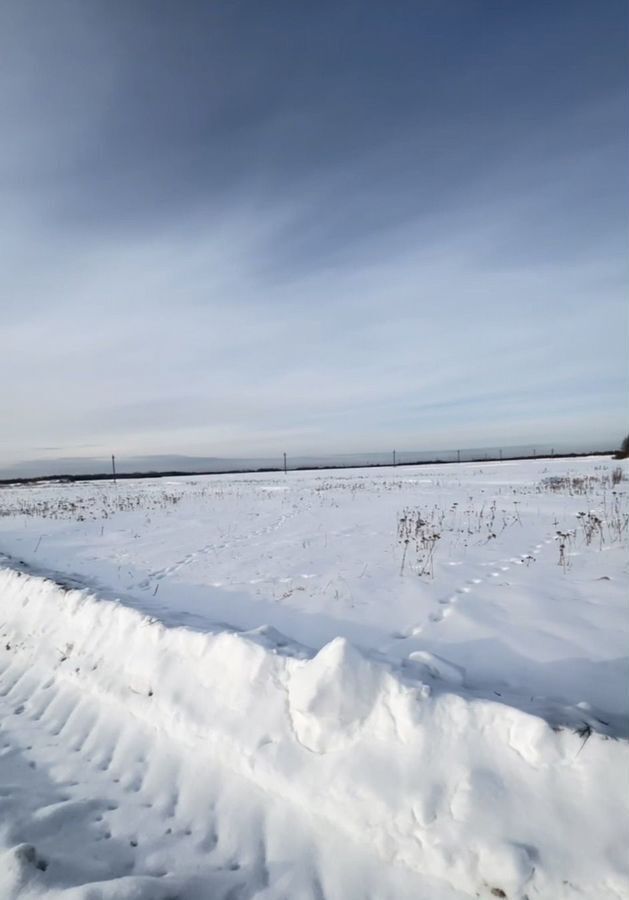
(397, 758)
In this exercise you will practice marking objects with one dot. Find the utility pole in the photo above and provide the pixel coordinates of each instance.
(458, 456)
(394, 457)
(501, 454)
(113, 466)
(285, 470)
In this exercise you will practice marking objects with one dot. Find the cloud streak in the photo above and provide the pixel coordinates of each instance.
(233, 231)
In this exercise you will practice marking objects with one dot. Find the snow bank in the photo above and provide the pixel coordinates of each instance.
(459, 788)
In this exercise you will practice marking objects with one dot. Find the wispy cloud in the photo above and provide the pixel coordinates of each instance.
(225, 239)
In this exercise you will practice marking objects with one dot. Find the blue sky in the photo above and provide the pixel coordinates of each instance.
(236, 228)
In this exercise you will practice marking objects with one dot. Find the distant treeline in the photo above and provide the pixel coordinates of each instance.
(107, 476)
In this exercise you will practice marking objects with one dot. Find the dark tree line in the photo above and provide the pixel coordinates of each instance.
(623, 453)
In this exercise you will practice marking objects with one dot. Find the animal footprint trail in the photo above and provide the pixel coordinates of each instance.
(446, 603)
(213, 547)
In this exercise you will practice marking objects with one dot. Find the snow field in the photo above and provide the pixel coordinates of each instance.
(149, 751)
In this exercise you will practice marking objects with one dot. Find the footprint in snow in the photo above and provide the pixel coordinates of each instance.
(440, 616)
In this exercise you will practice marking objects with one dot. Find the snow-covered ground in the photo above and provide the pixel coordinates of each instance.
(386, 683)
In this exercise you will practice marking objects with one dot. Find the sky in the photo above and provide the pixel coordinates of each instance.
(236, 228)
